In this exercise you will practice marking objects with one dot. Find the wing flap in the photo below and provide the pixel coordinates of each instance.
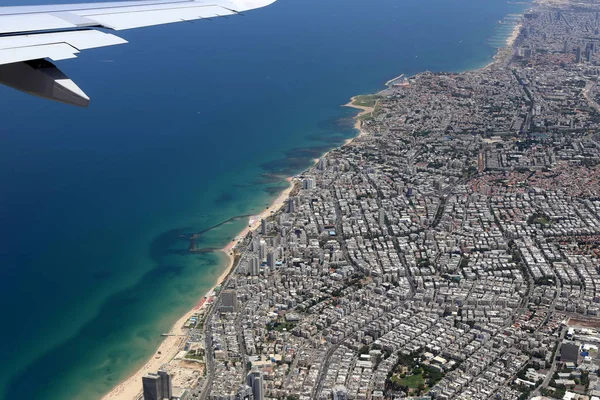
(137, 19)
(141, 8)
(52, 8)
(57, 45)
(32, 22)
(54, 51)
(81, 40)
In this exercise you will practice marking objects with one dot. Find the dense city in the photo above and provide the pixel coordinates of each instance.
(451, 251)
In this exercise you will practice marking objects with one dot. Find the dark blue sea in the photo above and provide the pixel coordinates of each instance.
(189, 125)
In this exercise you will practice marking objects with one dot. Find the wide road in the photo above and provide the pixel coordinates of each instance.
(550, 373)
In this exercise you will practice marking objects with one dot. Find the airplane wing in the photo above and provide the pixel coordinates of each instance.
(31, 36)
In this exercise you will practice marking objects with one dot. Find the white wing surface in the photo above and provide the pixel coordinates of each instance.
(30, 36)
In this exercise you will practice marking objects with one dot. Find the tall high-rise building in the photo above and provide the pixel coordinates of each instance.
(157, 386)
(291, 206)
(271, 259)
(578, 55)
(167, 392)
(381, 217)
(309, 183)
(255, 381)
(254, 266)
(228, 301)
(322, 164)
(263, 226)
(262, 251)
(152, 387)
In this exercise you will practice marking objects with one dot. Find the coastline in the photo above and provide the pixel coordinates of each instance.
(131, 387)
(255, 224)
(364, 110)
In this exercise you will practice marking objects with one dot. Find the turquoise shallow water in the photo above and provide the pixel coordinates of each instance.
(190, 124)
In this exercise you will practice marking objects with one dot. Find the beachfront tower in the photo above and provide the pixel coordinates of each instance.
(157, 386)
(152, 386)
(167, 391)
(263, 227)
(291, 206)
(322, 165)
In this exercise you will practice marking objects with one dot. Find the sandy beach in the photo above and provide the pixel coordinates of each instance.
(357, 121)
(131, 388)
(514, 35)
(363, 111)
